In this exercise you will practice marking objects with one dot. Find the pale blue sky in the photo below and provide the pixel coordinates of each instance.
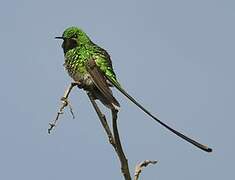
(176, 57)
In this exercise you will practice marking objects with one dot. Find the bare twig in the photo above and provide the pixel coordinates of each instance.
(114, 140)
(64, 102)
(71, 110)
(102, 120)
(121, 155)
(140, 166)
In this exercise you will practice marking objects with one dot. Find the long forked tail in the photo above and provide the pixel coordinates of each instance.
(195, 143)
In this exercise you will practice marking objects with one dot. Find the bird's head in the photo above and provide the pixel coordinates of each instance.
(73, 36)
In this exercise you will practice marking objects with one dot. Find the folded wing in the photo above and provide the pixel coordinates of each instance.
(99, 79)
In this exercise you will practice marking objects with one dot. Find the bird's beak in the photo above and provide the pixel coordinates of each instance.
(59, 38)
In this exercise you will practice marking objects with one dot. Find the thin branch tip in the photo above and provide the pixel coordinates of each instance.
(64, 103)
(141, 165)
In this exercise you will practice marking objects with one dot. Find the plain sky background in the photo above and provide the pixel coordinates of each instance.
(176, 57)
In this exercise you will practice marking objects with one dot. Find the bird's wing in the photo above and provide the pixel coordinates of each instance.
(101, 83)
(106, 55)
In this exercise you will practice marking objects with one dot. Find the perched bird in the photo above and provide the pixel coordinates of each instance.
(91, 66)
(80, 52)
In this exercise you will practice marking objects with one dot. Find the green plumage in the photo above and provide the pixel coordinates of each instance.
(78, 50)
(85, 49)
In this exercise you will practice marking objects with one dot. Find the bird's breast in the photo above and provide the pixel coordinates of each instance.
(78, 73)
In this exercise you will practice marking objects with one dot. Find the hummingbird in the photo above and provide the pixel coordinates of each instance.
(91, 66)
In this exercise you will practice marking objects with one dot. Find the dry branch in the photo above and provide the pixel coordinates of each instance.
(102, 120)
(121, 155)
(64, 103)
(114, 138)
(140, 166)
